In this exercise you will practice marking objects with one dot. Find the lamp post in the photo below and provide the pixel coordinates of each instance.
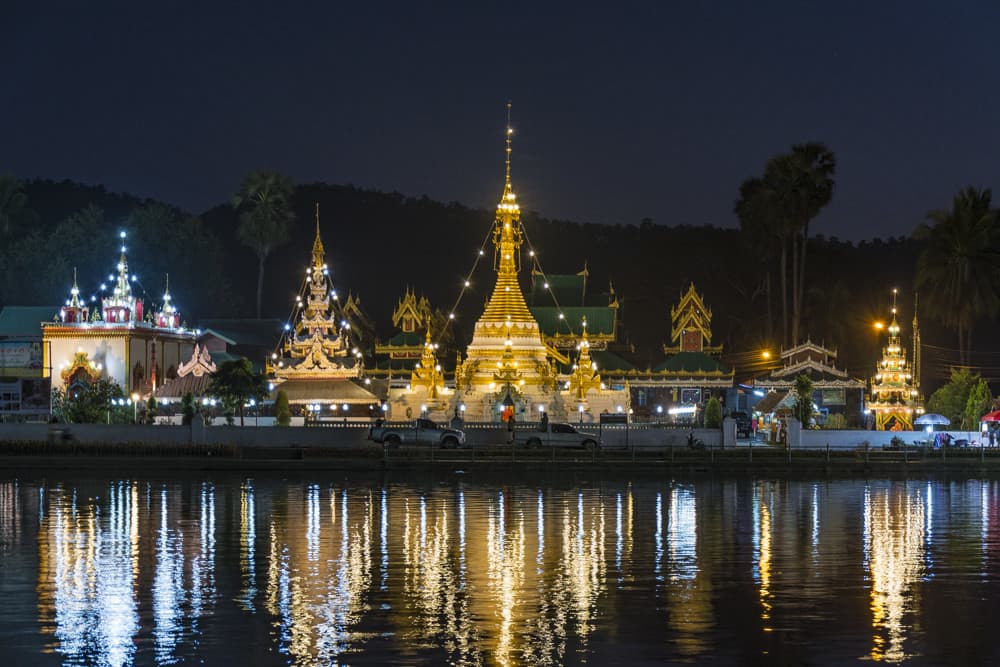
(135, 408)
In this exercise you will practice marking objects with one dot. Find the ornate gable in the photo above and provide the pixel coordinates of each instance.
(411, 313)
(691, 322)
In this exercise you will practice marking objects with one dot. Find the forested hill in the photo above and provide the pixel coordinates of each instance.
(379, 243)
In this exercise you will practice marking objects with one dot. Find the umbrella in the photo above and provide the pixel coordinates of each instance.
(932, 418)
(991, 416)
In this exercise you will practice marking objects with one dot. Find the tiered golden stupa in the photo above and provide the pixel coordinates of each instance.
(315, 365)
(895, 399)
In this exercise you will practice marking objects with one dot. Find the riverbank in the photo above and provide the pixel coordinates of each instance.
(496, 460)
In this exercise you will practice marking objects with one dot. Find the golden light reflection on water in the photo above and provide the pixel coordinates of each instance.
(689, 592)
(321, 573)
(762, 541)
(316, 582)
(894, 527)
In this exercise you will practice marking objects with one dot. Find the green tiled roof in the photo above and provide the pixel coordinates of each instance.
(407, 340)
(25, 320)
(610, 362)
(600, 320)
(691, 362)
(568, 290)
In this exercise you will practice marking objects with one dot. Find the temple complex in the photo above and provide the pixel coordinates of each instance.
(136, 348)
(314, 363)
(677, 388)
(895, 399)
(507, 367)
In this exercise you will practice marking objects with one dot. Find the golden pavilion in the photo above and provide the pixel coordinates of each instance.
(895, 395)
(507, 366)
(315, 364)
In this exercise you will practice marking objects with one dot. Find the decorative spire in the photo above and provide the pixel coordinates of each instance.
(318, 253)
(74, 300)
(507, 188)
(507, 302)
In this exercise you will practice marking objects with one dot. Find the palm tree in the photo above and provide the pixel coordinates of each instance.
(809, 170)
(754, 208)
(266, 217)
(958, 272)
(778, 207)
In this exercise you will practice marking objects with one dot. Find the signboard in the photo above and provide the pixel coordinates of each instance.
(16, 357)
(690, 396)
(833, 396)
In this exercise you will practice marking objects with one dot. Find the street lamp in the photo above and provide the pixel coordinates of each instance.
(135, 407)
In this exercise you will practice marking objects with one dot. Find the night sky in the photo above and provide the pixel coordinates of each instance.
(621, 111)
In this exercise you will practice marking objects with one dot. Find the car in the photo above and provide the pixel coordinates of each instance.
(421, 432)
(557, 435)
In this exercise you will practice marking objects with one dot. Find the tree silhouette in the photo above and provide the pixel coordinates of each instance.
(265, 207)
(958, 272)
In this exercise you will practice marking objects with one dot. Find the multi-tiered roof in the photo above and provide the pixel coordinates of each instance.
(895, 399)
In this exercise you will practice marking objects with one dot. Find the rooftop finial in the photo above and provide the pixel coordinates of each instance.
(318, 251)
(510, 131)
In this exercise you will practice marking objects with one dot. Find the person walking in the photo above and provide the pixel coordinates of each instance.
(510, 429)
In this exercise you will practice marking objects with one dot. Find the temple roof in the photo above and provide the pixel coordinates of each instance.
(252, 332)
(25, 320)
(770, 402)
(609, 362)
(307, 391)
(691, 362)
(600, 320)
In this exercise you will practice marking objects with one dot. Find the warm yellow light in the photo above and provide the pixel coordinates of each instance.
(765, 354)
(879, 325)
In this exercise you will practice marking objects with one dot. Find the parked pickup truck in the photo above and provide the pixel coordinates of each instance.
(422, 432)
(557, 435)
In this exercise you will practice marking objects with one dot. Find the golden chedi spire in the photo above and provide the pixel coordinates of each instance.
(507, 303)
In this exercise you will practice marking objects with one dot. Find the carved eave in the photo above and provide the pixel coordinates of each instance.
(198, 365)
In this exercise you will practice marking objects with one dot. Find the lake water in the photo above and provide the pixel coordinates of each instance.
(224, 570)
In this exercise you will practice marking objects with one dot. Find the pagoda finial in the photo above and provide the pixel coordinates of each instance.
(507, 186)
(318, 251)
(74, 300)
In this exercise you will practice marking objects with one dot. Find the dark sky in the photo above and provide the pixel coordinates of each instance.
(621, 111)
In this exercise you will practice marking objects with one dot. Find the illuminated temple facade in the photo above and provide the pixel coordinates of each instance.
(137, 348)
(315, 364)
(507, 366)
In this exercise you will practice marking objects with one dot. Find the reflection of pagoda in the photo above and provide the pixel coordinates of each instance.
(315, 365)
(136, 350)
(895, 398)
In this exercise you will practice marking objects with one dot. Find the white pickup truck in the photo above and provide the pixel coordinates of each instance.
(557, 435)
(422, 432)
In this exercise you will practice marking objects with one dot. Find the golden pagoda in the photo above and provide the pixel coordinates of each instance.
(315, 364)
(895, 399)
(584, 377)
(507, 361)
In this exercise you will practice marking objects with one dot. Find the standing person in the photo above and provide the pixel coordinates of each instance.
(543, 425)
(753, 428)
(510, 428)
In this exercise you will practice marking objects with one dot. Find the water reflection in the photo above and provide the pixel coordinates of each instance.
(88, 554)
(317, 573)
(894, 527)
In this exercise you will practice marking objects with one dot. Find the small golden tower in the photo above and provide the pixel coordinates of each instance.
(895, 400)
